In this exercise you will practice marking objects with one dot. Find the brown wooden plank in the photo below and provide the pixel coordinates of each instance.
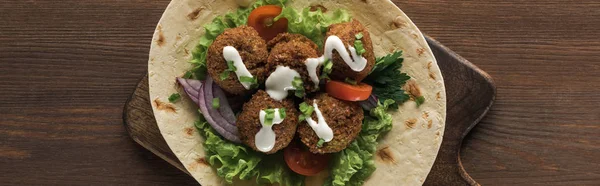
(67, 67)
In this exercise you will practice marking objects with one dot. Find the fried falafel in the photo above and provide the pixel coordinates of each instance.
(344, 118)
(251, 47)
(347, 33)
(292, 50)
(248, 121)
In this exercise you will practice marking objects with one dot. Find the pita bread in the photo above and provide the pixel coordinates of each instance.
(404, 156)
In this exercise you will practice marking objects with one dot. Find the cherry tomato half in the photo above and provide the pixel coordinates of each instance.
(261, 19)
(348, 92)
(303, 162)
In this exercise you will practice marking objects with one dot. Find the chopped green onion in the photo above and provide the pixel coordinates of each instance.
(224, 75)
(231, 67)
(320, 142)
(301, 117)
(187, 75)
(269, 116)
(327, 67)
(358, 45)
(359, 36)
(350, 81)
(174, 97)
(252, 80)
(420, 100)
(216, 103)
(306, 109)
(298, 86)
(282, 113)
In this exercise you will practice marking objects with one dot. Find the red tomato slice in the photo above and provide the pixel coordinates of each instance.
(348, 92)
(261, 19)
(303, 162)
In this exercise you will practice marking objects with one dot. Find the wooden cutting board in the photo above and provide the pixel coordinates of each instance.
(470, 93)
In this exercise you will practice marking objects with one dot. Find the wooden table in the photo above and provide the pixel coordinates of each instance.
(67, 67)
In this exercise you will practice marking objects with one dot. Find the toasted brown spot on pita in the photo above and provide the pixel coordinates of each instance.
(429, 123)
(161, 38)
(194, 14)
(318, 7)
(429, 65)
(425, 115)
(438, 96)
(415, 36)
(420, 51)
(413, 88)
(385, 155)
(365, 1)
(164, 106)
(437, 133)
(202, 161)
(189, 131)
(431, 75)
(410, 123)
(177, 38)
(187, 52)
(398, 22)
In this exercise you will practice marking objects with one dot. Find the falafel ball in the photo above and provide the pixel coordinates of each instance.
(252, 49)
(248, 121)
(292, 50)
(347, 33)
(344, 118)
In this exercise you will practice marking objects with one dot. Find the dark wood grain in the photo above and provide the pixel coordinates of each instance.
(470, 93)
(67, 67)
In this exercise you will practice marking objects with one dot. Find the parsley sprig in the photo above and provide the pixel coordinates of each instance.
(387, 80)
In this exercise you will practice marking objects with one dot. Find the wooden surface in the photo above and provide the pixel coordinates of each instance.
(67, 67)
(470, 93)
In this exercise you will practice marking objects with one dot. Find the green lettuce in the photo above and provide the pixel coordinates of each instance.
(237, 161)
(312, 24)
(353, 165)
(216, 27)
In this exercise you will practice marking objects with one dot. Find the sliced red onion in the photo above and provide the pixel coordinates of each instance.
(208, 97)
(195, 90)
(203, 108)
(369, 103)
(191, 87)
(225, 108)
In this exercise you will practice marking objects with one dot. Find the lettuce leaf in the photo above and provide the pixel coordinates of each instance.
(312, 24)
(353, 165)
(216, 27)
(237, 161)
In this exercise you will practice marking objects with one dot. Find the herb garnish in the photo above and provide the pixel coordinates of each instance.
(306, 111)
(387, 80)
(298, 86)
(174, 97)
(358, 45)
(327, 67)
(216, 103)
(230, 68)
(252, 80)
(320, 142)
(269, 116)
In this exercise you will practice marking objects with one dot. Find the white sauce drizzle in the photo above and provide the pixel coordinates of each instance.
(321, 128)
(280, 82)
(231, 54)
(265, 138)
(356, 63)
